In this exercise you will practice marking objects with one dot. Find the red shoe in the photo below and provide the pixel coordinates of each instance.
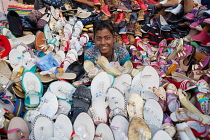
(202, 36)
(120, 17)
(105, 10)
(142, 5)
(125, 39)
(96, 2)
(5, 47)
(206, 41)
(184, 85)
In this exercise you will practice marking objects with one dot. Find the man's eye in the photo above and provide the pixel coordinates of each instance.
(98, 39)
(107, 38)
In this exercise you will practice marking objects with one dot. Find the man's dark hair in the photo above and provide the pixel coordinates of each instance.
(103, 24)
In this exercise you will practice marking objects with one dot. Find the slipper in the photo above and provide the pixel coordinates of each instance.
(42, 128)
(63, 127)
(123, 83)
(18, 128)
(161, 135)
(172, 99)
(117, 103)
(119, 126)
(39, 40)
(48, 35)
(105, 65)
(104, 132)
(63, 108)
(30, 116)
(83, 127)
(185, 132)
(44, 20)
(91, 69)
(148, 77)
(67, 31)
(6, 32)
(81, 101)
(99, 85)
(71, 56)
(27, 39)
(74, 44)
(77, 29)
(186, 51)
(63, 90)
(98, 110)
(82, 13)
(48, 105)
(178, 48)
(20, 54)
(135, 106)
(51, 77)
(5, 46)
(33, 88)
(83, 40)
(138, 129)
(153, 116)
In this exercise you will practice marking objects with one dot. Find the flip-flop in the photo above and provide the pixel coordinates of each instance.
(48, 34)
(117, 103)
(63, 127)
(83, 127)
(39, 40)
(135, 106)
(67, 31)
(27, 39)
(98, 110)
(185, 132)
(33, 88)
(153, 116)
(161, 135)
(123, 83)
(99, 85)
(63, 90)
(42, 128)
(103, 131)
(63, 108)
(138, 129)
(48, 105)
(30, 116)
(119, 126)
(17, 128)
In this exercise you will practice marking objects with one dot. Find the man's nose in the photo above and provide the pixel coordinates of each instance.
(103, 41)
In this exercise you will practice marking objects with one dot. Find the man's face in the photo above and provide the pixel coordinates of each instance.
(104, 40)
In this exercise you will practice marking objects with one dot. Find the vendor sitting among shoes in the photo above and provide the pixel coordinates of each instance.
(105, 44)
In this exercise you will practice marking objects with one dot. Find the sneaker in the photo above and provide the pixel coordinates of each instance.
(140, 15)
(121, 7)
(120, 17)
(106, 11)
(135, 5)
(123, 30)
(131, 27)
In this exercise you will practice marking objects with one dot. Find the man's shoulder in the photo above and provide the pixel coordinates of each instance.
(91, 51)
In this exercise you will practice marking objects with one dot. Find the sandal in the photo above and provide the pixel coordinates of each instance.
(185, 131)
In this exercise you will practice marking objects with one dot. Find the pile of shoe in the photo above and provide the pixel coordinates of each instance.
(163, 94)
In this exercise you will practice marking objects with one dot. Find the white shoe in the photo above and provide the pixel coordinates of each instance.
(163, 2)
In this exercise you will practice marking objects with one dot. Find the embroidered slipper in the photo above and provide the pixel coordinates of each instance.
(63, 108)
(153, 116)
(48, 105)
(103, 131)
(42, 128)
(161, 135)
(63, 127)
(99, 85)
(81, 101)
(97, 111)
(135, 106)
(123, 83)
(117, 103)
(83, 127)
(18, 128)
(63, 90)
(119, 126)
(138, 129)
(33, 89)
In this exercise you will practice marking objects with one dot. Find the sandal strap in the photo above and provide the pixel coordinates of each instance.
(80, 97)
